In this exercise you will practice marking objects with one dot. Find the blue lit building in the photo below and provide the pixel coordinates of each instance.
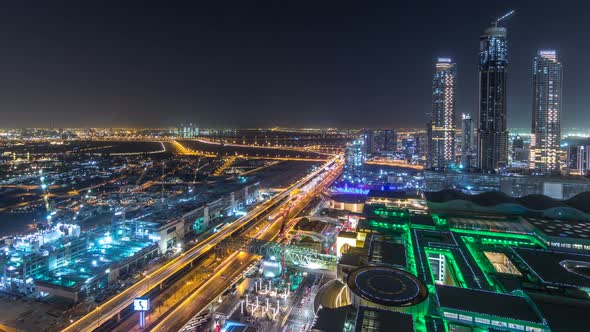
(354, 158)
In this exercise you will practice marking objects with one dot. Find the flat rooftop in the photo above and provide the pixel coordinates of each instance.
(347, 235)
(561, 228)
(390, 194)
(331, 320)
(388, 253)
(422, 219)
(372, 320)
(513, 225)
(562, 313)
(102, 252)
(486, 303)
(348, 198)
(550, 266)
(354, 257)
(386, 213)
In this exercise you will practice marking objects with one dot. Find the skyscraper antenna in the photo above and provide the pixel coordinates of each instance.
(501, 18)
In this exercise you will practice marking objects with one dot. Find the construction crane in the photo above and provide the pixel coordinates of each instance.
(502, 18)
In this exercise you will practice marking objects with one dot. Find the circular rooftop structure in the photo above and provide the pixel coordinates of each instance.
(387, 286)
(349, 202)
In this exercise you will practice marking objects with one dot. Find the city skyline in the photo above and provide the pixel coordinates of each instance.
(294, 166)
(114, 66)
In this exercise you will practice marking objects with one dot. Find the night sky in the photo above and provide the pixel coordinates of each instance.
(251, 63)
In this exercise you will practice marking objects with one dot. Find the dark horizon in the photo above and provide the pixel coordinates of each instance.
(266, 64)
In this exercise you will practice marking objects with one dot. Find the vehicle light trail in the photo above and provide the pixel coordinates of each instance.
(124, 299)
(238, 262)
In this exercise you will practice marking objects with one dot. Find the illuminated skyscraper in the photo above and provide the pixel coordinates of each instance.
(519, 151)
(467, 142)
(578, 158)
(354, 156)
(493, 65)
(442, 123)
(545, 131)
(380, 140)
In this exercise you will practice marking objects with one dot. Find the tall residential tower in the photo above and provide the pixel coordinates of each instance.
(467, 142)
(380, 140)
(442, 124)
(354, 157)
(545, 130)
(493, 74)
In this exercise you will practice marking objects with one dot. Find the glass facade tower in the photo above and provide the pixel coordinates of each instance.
(380, 140)
(545, 129)
(442, 124)
(354, 156)
(492, 131)
(467, 142)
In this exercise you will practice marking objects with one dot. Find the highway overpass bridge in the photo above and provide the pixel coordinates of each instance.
(294, 255)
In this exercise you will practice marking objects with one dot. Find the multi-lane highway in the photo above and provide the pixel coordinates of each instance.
(271, 147)
(124, 299)
(210, 290)
(394, 163)
(322, 157)
(237, 263)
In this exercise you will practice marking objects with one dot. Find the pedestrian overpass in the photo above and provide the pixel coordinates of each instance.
(294, 255)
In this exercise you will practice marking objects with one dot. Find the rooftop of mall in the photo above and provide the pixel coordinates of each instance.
(481, 271)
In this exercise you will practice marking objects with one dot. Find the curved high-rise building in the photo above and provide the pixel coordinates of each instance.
(493, 74)
(546, 130)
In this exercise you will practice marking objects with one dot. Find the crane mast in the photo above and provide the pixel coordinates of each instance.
(502, 18)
